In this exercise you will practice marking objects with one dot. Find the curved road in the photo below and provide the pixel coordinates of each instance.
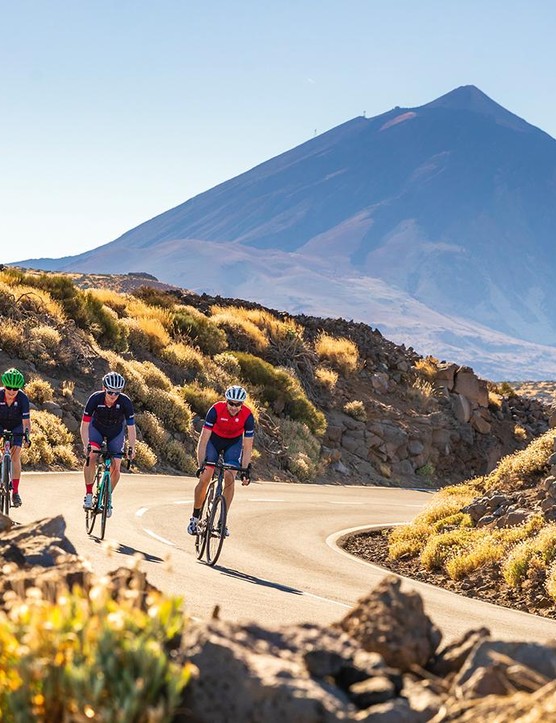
(280, 564)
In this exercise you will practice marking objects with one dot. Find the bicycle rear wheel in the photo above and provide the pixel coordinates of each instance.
(202, 525)
(216, 529)
(6, 484)
(104, 501)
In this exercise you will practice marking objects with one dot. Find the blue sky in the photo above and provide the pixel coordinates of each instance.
(114, 111)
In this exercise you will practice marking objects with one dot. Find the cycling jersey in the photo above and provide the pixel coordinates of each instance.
(109, 420)
(12, 415)
(222, 423)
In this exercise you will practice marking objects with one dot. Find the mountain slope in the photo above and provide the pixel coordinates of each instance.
(452, 203)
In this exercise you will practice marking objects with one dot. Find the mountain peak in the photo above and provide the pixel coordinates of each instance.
(470, 98)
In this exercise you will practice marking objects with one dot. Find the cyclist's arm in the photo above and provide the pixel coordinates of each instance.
(131, 439)
(247, 451)
(26, 415)
(84, 431)
(202, 445)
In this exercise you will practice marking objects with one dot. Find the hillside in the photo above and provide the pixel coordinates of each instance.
(334, 400)
(433, 223)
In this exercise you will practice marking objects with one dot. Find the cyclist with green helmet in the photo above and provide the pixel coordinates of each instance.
(15, 416)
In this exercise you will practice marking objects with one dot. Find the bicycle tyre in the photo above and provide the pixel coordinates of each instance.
(91, 515)
(216, 529)
(104, 501)
(6, 484)
(201, 538)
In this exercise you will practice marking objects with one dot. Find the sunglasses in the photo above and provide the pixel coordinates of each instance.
(235, 404)
(12, 389)
(112, 394)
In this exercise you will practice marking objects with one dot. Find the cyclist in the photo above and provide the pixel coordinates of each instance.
(229, 427)
(14, 415)
(106, 415)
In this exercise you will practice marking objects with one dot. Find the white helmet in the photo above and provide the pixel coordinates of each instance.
(113, 381)
(236, 394)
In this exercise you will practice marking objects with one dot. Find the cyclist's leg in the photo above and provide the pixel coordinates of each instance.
(15, 453)
(95, 440)
(116, 448)
(211, 456)
(232, 455)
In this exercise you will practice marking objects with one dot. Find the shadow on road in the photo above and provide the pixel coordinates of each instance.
(131, 551)
(238, 575)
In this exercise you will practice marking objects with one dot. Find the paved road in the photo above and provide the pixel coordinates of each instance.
(280, 564)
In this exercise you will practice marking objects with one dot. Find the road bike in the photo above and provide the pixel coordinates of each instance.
(211, 528)
(102, 489)
(6, 471)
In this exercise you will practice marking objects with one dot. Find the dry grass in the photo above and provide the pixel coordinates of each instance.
(112, 299)
(52, 443)
(200, 398)
(170, 408)
(32, 299)
(152, 375)
(527, 464)
(427, 367)
(356, 409)
(184, 356)
(327, 378)
(39, 390)
(45, 339)
(12, 334)
(238, 323)
(152, 430)
(541, 549)
(339, 352)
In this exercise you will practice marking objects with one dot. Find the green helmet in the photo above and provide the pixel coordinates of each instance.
(13, 378)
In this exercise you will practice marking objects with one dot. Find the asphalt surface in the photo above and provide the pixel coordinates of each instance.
(280, 565)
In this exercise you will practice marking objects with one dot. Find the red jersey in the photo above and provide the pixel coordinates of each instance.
(221, 422)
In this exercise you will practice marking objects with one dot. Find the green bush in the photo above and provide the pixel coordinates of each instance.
(52, 443)
(302, 449)
(281, 390)
(89, 657)
(199, 398)
(190, 322)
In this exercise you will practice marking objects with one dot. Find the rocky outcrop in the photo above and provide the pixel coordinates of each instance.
(382, 662)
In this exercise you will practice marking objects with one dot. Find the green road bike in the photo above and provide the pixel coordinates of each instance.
(6, 470)
(102, 490)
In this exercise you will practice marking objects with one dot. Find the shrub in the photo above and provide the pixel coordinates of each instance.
(228, 362)
(242, 332)
(87, 656)
(44, 339)
(541, 547)
(145, 458)
(52, 443)
(152, 375)
(12, 336)
(282, 391)
(155, 297)
(145, 334)
(199, 398)
(527, 464)
(303, 449)
(356, 409)
(152, 430)
(177, 457)
(39, 390)
(112, 299)
(427, 367)
(170, 408)
(200, 329)
(136, 387)
(339, 352)
(327, 378)
(185, 357)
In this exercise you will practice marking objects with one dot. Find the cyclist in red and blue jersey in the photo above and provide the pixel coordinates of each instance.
(106, 416)
(15, 417)
(229, 427)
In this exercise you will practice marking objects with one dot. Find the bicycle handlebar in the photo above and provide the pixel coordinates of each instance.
(104, 451)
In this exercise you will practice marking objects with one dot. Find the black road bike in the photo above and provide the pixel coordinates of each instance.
(6, 470)
(102, 489)
(211, 528)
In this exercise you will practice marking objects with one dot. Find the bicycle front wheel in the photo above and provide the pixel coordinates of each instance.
(216, 529)
(104, 502)
(202, 525)
(6, 484)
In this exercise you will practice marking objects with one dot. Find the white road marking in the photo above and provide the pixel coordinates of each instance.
(157, 537)
(326, 599)
(141, 511)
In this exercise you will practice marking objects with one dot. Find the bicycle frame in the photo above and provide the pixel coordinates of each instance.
(214, 512)
(6, 473)
(6, 469)
(102, 491)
